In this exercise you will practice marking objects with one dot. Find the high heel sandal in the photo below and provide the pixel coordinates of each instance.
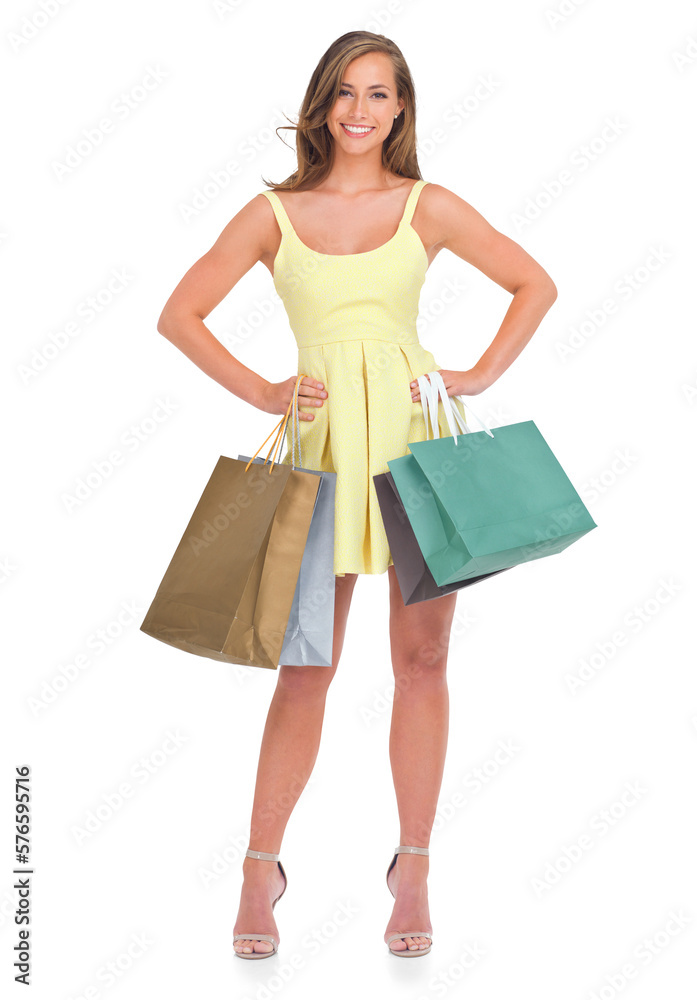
(407, 953)
(262, 856)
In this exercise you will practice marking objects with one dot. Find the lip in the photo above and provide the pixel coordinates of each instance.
(353, 135)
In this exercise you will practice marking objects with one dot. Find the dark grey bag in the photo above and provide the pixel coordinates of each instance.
(413, 575)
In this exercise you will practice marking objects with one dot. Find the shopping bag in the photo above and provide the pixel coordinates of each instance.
(501, 499)
(229, 587)
(415, 580)
(309, 635)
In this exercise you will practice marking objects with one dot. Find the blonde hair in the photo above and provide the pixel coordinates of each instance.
(314, 142)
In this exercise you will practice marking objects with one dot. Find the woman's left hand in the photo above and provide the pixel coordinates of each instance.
(467, 383)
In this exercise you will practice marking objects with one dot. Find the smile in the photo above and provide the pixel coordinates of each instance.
(357, 130)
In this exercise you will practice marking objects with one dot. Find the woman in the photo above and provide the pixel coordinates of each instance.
(348, 238)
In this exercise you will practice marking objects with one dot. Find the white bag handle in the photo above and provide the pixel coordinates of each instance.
(427, 401)
(449, 401)
(430, 392)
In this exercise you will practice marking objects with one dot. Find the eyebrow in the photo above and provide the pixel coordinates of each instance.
(375, 86)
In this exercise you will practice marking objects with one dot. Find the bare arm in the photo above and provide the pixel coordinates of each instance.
(245, 239)
(468, 235)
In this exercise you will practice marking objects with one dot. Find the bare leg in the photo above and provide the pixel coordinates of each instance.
(419, 638)
(288, 752)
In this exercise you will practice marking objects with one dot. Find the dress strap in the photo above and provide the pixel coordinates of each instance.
(410, 206)
(286, 225)
(280, 213)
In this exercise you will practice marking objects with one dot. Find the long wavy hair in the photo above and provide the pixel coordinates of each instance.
(314, 141)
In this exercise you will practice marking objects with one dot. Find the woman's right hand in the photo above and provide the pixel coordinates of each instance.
(276, 396)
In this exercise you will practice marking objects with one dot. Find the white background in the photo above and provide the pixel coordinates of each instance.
(611, 387)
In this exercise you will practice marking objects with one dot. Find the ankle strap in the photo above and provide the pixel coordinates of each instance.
(262, 855)
(410, 850)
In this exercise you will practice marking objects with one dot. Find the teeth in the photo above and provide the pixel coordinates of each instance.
(358, 129)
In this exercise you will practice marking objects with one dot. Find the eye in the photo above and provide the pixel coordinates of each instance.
(376, 94)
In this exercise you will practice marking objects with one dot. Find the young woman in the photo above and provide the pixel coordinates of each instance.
(348, 238)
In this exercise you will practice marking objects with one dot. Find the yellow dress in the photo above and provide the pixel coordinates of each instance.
(354, 320)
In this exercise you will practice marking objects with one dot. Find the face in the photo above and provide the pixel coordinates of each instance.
(370, 108)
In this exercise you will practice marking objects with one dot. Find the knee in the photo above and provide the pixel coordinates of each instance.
(305, 681)
(416, 669)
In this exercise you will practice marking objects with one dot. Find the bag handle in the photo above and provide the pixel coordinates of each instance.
(280, 429)
(433, 388)
(430, 391)
(448, 402)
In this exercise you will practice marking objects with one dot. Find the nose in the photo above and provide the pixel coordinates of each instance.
(358, 108)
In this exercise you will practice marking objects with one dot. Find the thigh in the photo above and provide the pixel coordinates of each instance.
(419, 633)
(342, 602)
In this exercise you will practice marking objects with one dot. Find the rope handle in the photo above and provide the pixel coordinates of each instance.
(295, 427)
(279, 431)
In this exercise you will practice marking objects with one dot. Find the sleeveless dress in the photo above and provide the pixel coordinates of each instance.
(354, 320)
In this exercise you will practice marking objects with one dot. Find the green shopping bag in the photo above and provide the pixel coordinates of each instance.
(481, 501)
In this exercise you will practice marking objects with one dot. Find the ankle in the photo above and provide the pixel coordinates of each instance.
(256, 869)
(257, 865)
(410, 871)
(416, 863)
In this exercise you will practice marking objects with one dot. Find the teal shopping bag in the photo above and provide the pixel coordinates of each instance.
(481, 501)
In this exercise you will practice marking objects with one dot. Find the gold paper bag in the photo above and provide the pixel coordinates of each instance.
(228, 590)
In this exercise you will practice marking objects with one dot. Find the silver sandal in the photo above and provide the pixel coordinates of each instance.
(407, 953)
(262, 856)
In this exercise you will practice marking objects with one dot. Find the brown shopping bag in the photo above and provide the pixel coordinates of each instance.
(228, 590)
(309, 638)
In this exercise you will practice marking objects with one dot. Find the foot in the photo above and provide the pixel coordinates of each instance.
(263, 883)
(407, 882)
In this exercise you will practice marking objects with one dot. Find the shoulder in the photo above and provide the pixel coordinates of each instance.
(257, 217)
(265, 221)
(448, 215)
(253, 230)
(439, 213)
(253, 212)
(441, 200)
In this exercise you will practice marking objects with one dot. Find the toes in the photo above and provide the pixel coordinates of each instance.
(398, 945)
(247, 946)
(414, 944)
(409, 944)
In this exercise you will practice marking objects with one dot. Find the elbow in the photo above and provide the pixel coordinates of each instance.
(550, 289)
(164, 324)
(542, 285)
(171, 321)
(544, 288)
(551, 292)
